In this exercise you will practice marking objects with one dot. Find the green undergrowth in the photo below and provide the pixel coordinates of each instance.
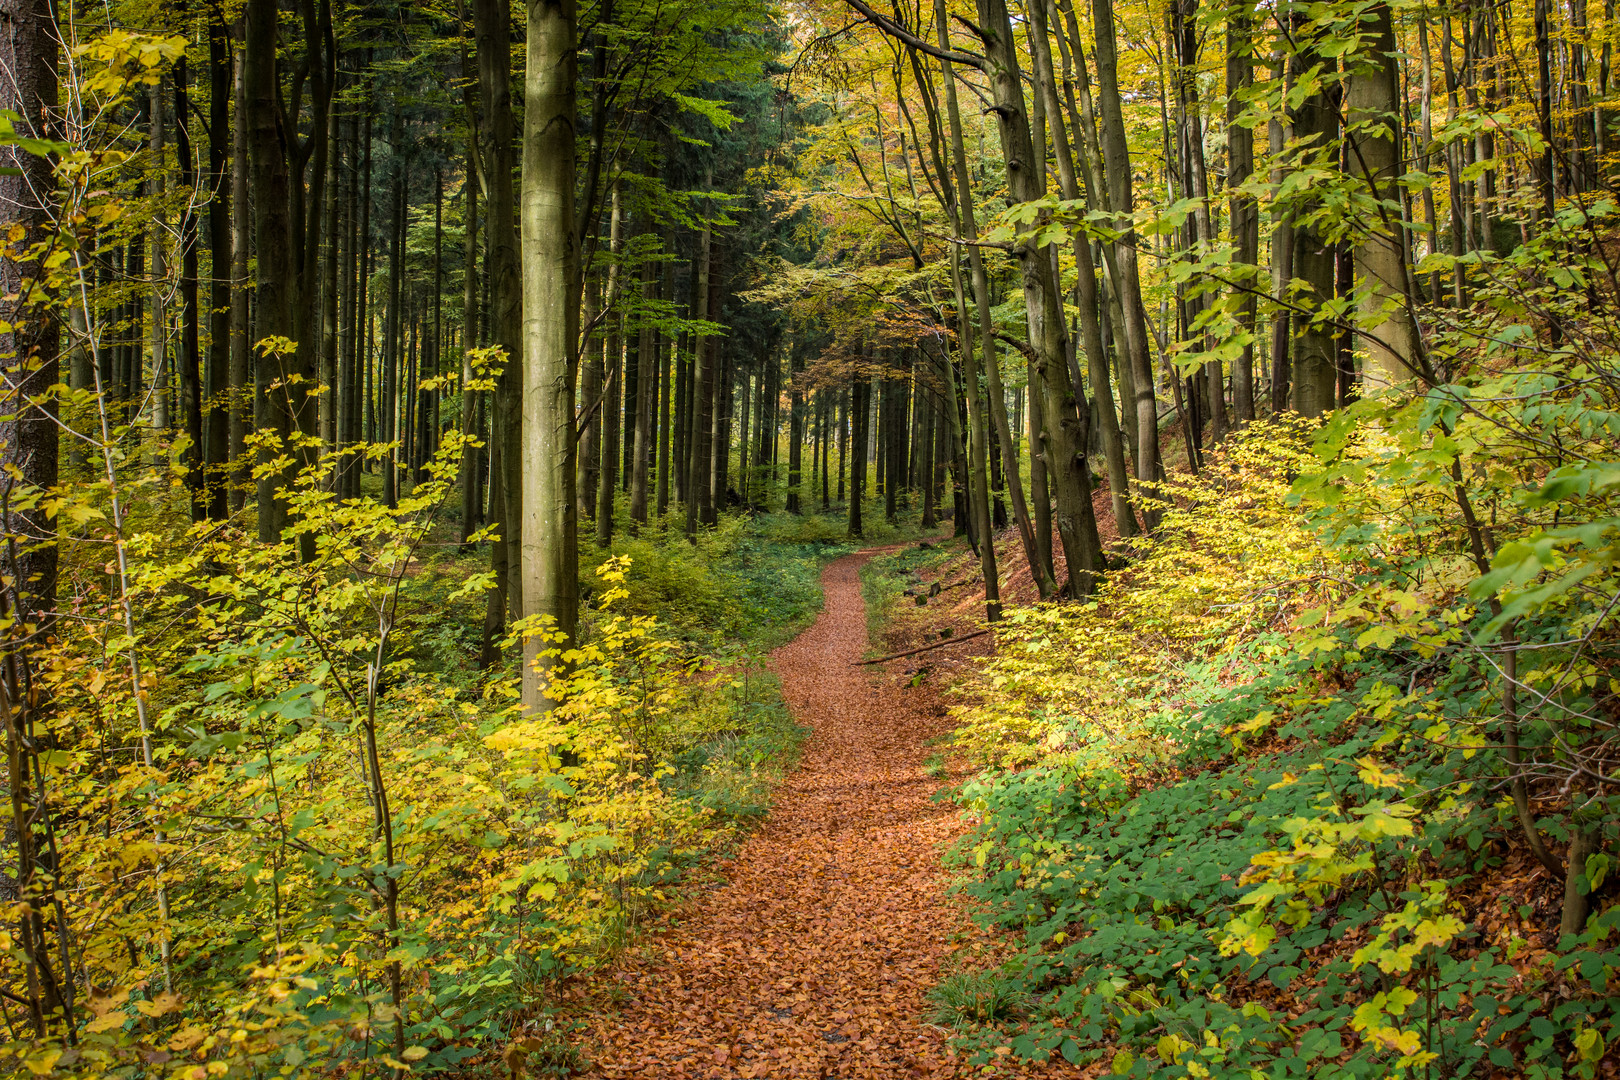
(892, 578)
(715, 737)
(1248, 814)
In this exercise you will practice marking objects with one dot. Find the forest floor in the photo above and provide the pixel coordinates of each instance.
(813, 956)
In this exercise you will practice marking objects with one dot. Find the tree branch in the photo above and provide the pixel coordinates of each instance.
(895, 30)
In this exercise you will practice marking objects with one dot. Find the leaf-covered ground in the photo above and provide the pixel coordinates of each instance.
(813, 958)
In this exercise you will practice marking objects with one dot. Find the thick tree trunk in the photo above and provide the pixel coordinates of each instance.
(550, 336)
(1374, 157)
(28, 435)
(275, 282)
(492, 22)
(1315, 122)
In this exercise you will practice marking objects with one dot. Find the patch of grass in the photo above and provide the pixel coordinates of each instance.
(969, 999)
(936, 766)
(734, 772)
(552, 1055)
(888, 579)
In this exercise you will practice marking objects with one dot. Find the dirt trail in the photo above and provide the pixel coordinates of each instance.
(811, 961)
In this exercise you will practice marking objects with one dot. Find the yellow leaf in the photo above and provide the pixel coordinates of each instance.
(41, 1061)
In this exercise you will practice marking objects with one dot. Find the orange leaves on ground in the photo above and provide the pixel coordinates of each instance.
(812, 958)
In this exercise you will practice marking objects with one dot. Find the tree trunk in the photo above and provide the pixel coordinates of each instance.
(275, 282)
(977, 458)
(1316, 123)
(550, 335)
(28, 434)
(1063, 444)
(190, 356)
(217, 408)
(665, 390)
(699, 399)
(1374, 157)
(492, 22)
(1245, 213)
(242, 399)
(471, 459)
(859, 413)
(1086, 298)
(1121, 201)
(647, 384)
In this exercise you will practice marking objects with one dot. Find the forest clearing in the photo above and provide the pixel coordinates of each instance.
(788, 539)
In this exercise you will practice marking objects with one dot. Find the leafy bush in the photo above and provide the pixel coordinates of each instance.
(1265, 839)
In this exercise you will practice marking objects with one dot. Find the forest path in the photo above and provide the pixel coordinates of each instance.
(813, 958)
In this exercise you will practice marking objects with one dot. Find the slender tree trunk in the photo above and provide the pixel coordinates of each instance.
(1282, 258)
(647, 383)
(1244, 211)
(796, 420)
(189, 360)
(329, 401)
(471, 459)
(1086, 297)
(859, 416)
(1121, 199)
(665, 391)
(217, 407)
(360, 334)
(157, 187)
(699, 401)
(1063, 443)
(242, 398)
(978, 480)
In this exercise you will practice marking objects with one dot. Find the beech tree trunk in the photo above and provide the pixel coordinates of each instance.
(550, 335)
(1064, 412)
(1373, 156)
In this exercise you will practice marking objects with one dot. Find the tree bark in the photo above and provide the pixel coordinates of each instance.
(1244, 211)
(1374, 156)
(1121, 201)
(491, 23)
(1063, 444)
(1316, 123)
(28, 437)
(217, 409)
(550, 336)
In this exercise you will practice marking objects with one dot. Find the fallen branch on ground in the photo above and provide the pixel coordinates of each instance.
(923, 648)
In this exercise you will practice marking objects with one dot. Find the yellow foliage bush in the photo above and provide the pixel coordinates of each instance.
(1079, 685)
